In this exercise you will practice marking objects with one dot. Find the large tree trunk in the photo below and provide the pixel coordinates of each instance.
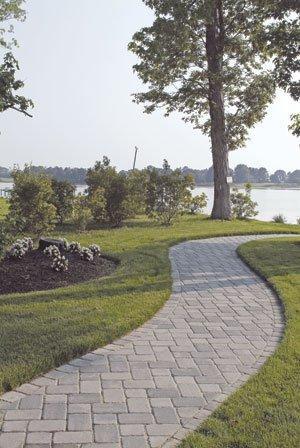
(214, 52)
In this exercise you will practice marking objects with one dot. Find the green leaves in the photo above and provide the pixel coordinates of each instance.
(168, 194)
(9, 85)
(242, 205)
(30, 207)
(173, 60)
(9, 10)
(294, 127)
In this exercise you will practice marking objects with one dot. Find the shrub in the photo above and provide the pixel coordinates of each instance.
(5, 236)
(28, 243)
(279, 219)
(97, 204)
(75, 247)
(137, 191)
(242, 205)
(60, 263)
(108, 193)
(63, 199)
(86, 254)
(17, 250)
(20, 248)
(167, 193)
(95, 249)
(198, 203)
(81, 213)
(117, 207)
(30, 207)
(52, 251)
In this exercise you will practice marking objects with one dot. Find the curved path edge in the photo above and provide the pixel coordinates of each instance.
(152, 387)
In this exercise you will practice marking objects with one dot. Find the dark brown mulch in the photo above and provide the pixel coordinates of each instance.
(34, 272)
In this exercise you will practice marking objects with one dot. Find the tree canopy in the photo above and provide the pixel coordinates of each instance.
(218, 63)
(175, 67)
(11, 10)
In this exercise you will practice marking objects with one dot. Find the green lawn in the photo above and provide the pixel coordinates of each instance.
(265, 413)
(3, 207)
(41, 330)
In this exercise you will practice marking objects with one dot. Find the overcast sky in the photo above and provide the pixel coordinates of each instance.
(74, 60)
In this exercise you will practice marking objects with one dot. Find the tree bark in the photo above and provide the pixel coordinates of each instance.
(214, 52)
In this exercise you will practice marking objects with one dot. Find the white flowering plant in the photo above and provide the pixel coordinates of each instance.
(60, 263)
(86, 254)
(75, 247)
(28, 244)
(95, 249)
(51, 251)
(20, 248)
(17, 251)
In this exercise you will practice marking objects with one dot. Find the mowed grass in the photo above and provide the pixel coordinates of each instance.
(265, 413)
(41, 330)
(3, 208)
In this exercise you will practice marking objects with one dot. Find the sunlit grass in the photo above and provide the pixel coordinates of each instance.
(41, 330)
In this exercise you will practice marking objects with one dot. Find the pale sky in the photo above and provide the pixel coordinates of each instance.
(74, 60)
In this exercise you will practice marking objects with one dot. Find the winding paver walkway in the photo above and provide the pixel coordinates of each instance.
(153, 386)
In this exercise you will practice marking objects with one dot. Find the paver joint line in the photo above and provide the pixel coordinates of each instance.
(150, 388)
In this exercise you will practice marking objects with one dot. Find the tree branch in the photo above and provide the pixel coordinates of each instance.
(20, 110)
(243, 5)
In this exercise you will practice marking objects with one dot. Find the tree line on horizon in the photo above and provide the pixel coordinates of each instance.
(240, 174)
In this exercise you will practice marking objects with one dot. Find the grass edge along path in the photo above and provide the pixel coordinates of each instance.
(265, 412)
(42, 330)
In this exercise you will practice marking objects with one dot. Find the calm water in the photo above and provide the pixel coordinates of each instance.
(270, 201)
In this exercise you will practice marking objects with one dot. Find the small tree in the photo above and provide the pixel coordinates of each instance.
(63, 199)
(81, 212)
(100, 176)
(167, 193)
(116, 201)
(137, 190)
(97, 204)
(242, 205)
(108, 193)
(198, 203)
(30, 207)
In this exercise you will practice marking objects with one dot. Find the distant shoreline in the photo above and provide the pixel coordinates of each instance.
(262, 186)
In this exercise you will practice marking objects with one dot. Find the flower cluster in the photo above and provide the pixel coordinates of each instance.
(20, 248)
(28, 244)
(51, 251)
(60, 263)
(86, 254)
(95, 249)
(75, 247)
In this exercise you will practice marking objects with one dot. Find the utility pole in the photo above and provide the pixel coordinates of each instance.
(135, 154)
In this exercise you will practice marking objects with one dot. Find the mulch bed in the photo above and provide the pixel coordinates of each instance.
(34, 272)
